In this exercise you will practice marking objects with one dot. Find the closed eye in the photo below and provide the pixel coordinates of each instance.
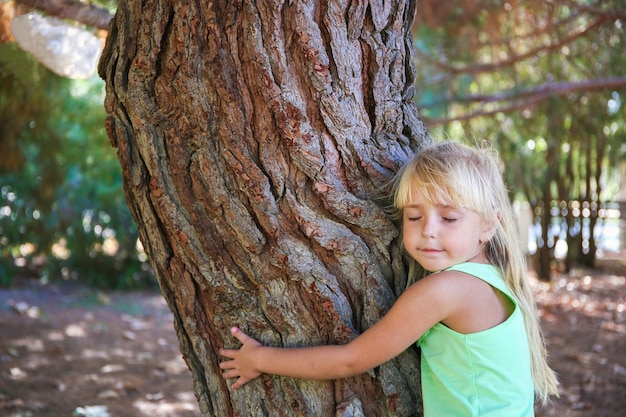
(414, 219)
(449, 219)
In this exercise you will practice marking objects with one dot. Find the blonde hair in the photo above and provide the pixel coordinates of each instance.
(471, 178)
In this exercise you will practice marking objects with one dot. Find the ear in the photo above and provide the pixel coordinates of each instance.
(488, 229)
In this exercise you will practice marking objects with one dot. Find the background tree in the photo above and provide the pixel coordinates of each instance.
(254, 140)
(62, 211)
(544, 81)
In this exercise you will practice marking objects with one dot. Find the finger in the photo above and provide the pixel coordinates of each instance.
(227, 365)
(232, 373)
(240, 383)
(228, 353)
(239, 335)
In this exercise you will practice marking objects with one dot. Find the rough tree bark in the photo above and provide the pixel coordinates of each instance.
(254, 138)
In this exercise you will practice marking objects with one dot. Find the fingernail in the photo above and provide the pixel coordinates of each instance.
(234, 329)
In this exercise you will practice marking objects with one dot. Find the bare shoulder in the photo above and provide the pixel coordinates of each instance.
(451, 282)
(467, 303)
(441, 289)
(452, 291)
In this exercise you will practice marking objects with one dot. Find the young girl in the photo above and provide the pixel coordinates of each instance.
(471, 307)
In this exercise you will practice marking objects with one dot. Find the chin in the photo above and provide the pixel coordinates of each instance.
(435, 267)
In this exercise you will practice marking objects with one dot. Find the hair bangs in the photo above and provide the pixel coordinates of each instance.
(444, 183)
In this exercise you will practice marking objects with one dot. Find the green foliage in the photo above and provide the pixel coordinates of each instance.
(110, 5)
(63, 213)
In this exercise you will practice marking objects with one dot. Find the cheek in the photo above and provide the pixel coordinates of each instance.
(405, 236)
(408, 236)
(407, 231)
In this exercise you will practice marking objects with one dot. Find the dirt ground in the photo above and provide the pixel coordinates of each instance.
(71, 351)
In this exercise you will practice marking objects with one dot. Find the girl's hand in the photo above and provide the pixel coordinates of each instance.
(241, 365)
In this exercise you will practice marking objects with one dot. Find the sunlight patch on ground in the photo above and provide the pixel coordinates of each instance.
(55, 336)
(94, 354)
(136, 323)
(30, 344)
(75, 330)
(591, 296)
(17, 373)
(122, 353)
(187, 402)
(175, 366)
(92, 411)
(107, 369)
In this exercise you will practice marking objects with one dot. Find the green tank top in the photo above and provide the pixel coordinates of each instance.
(483, 374)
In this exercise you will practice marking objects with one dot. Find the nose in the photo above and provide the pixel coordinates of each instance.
(429, 228)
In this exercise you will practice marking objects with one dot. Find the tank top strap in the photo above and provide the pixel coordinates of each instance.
(486, 272)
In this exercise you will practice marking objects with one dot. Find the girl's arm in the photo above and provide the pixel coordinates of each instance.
(418, 308)
(316, 362)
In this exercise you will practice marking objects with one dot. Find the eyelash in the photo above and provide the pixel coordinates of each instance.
(445, 219)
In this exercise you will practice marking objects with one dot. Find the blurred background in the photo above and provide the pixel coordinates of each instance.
(544, 81)
(63, 213)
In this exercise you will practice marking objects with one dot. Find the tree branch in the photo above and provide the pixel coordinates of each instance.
(523, 99)
(544, 90)
(514, 59)
(595, 8)
(71, 9)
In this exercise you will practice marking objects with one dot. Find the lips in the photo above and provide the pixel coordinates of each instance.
(430, 250)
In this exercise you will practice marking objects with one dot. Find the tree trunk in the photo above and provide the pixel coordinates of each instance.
(254, 139)
(543, 263)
